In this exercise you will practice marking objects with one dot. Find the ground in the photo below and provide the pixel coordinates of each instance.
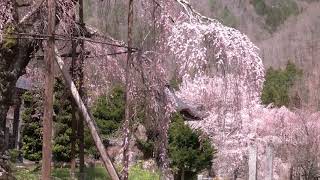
(22, 172)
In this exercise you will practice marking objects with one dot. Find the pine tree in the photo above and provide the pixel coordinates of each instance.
(188, 152)
(32, 130)
(108, 112)
(276, 88)
(62, 122)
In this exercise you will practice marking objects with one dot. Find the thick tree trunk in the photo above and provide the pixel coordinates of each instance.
(74, 110)
(81, 89)
(13, 61)
(182, 174)
(126, 128)
(48, 100)
(14, 56)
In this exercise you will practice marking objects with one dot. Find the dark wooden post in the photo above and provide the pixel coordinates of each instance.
(81, 90)
(48, 101)
(126, 129)
(74, 110)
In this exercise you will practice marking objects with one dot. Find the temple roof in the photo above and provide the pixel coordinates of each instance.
(24, 83)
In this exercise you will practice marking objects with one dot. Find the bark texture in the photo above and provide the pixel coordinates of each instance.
(127, 122)
(48, 101)
(15, 54)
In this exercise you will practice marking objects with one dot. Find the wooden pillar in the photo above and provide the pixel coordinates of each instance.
(127, 121)
(269, 175)
(74, 110)
(81, 90)
(48, 100)
(252, 162)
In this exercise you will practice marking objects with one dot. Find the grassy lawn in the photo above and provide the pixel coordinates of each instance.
(33, 173)
(91, 173)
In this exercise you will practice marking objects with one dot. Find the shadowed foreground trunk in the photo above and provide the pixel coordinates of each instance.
(13, 61)
(15, 54)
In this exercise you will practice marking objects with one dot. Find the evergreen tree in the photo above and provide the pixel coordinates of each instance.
(188, 152)
(62, 122)
(32, 130)
(108, 113)
(277, 86)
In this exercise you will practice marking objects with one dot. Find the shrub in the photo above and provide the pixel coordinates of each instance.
(146, 147)
(108, 113)
(14, 154)
(188, 152)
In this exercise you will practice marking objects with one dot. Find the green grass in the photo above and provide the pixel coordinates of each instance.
(96, 173)
(137, 173)
(26, 174)
(91, 173)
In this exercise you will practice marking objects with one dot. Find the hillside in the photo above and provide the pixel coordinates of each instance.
(286, 30)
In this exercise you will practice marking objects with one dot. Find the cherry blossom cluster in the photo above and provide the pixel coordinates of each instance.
(6, 15)
(221, 70)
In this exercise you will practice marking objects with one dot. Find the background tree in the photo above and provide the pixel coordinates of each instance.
(188, 152)
(276, 88)
(62, 122)
(32, 130)
(108, 112)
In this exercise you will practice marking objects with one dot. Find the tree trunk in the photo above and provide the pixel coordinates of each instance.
(74, 110)
(85, 115)
(126, 129)
(12, 65)
(14, 57)
(48, 100)
(77, 76)
(81, 89)
(182, 174)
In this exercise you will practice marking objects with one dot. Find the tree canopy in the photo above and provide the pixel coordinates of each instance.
(276, 88)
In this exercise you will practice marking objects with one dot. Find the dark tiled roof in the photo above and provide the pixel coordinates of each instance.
(24, 83)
